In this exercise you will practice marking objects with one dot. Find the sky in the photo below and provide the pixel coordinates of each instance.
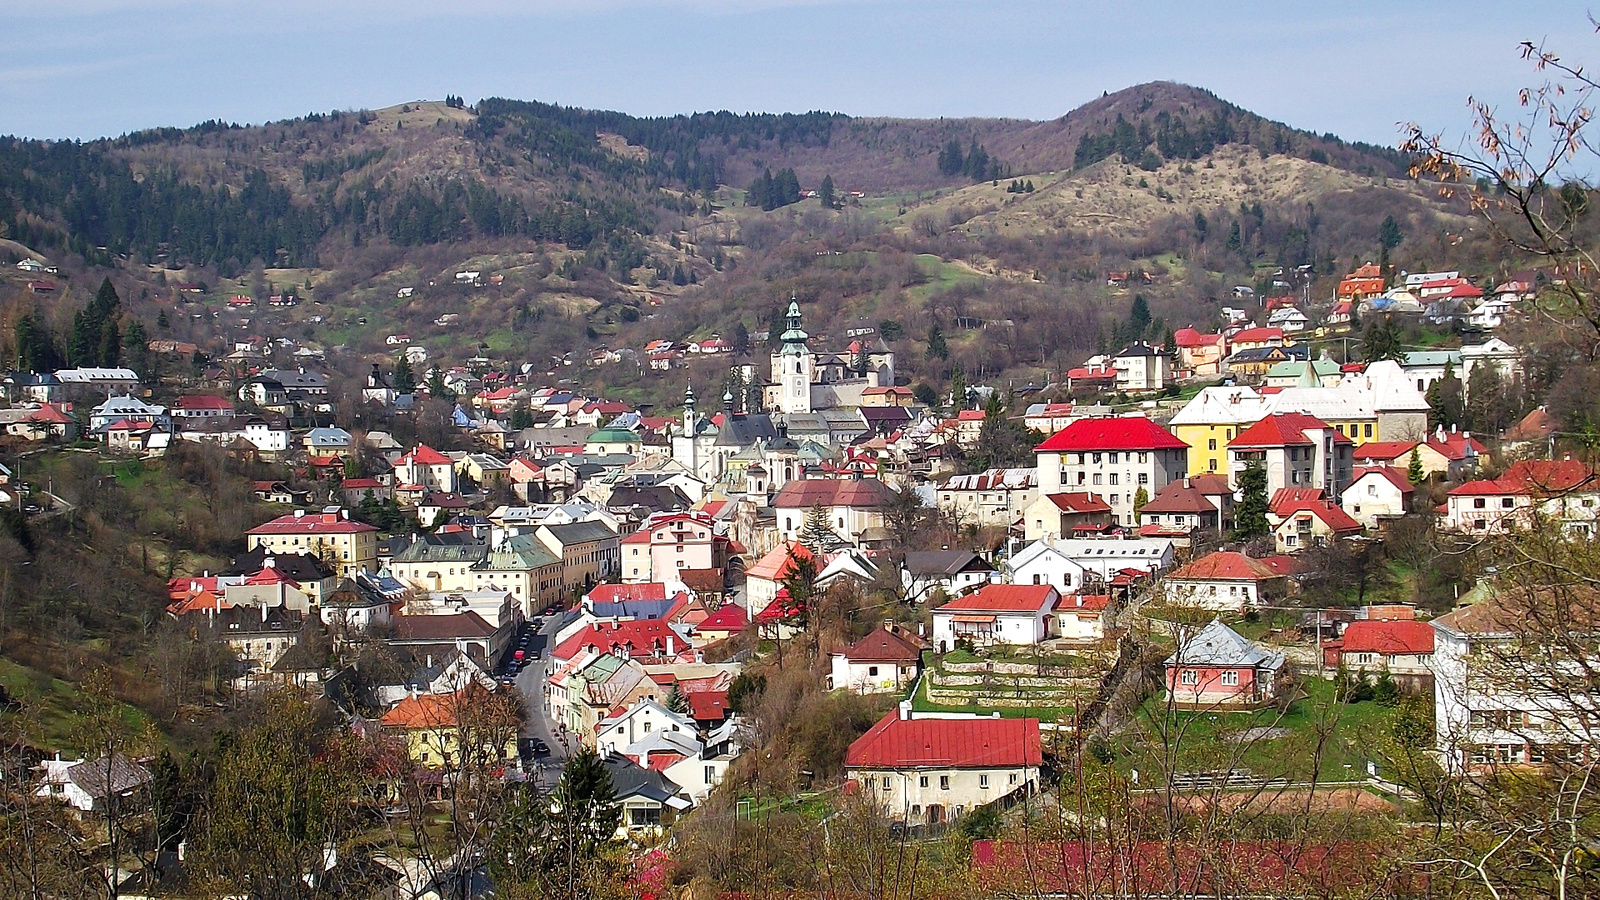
(92, 68)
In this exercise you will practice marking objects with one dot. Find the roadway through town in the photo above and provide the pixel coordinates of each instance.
(530, 682)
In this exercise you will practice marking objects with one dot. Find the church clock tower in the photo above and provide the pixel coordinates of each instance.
(795, 365)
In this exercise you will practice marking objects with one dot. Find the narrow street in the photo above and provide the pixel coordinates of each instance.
(530, 683)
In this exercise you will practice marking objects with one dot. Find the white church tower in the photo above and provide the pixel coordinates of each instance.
(795, 366)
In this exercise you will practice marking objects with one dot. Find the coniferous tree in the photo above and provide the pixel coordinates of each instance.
(951, 162)
(136, 350)
(937, 347)
(817, 534)
(825, 193)
(1414, 468)
(404, 380)
(1250, 515)
(1447, 402)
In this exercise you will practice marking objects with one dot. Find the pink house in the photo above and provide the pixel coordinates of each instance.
(1218, 667)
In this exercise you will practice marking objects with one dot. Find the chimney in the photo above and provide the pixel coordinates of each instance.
(344, 514)
(1186, 484)
(299, 514)
(905, 710)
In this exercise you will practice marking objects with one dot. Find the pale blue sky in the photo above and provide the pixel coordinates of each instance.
(87, 68)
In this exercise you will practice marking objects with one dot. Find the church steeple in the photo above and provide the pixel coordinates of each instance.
(688, 410)
(794, 340)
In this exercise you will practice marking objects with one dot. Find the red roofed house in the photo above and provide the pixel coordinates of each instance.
(1303, 518)
(1064, 515)
(853, 505)
(201, 406)
(640, 639)
(45, 423)
(352, 546)
(887, 660)
(1200, 355)
(1255, 339)
(426, 469)
(1377, 493)
(1564, 490)
(927, 771)
(1113, 459)
(724, 623)
(996, 614)
(765, 577)
(1224, 581)
(969, 424)
(1403, 647)
(1296, 450)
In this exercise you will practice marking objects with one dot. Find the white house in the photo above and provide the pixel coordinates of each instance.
(997, 614)
(87, 785)
(639, 720)
(952, 571)
(1068, 564)
(887, 660)
(1376, 493)
(852, 505)
(1114, 459)
(1141, 367)
(1224, 581)
(1082, 617)
(928, 770)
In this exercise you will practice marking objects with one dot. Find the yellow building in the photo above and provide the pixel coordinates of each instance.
(1214, 417)
(348, 545)
(436, 728)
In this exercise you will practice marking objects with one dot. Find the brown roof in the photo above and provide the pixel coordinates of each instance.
(883, 645)
(1225, 565)
(441, 628)
(1179, 497)
(806, 493)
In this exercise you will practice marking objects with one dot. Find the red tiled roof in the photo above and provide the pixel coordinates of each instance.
(361, 484)
(707, 706)
(48, 415)
(1455, 444)
(1389, 473)
(782, 607)
(1078, 502)
(1335, 518)
(1291, 496)
(1225, 565)
(424, 455)
(1534, 477)
(1084, 602)
(203, 401)
(422, 711)
(1385, 450)
(730, 617)
(311, 523)
(1282, 430)
(1392, 636)
(1126, 433)
(946, 744)
(627, 593)
(1283, 565)
(1002, 598)
(1251, 335)
(970, 415)
(883, 645)
(638, 637)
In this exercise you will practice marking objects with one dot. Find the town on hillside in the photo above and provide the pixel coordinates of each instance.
(1235, 528)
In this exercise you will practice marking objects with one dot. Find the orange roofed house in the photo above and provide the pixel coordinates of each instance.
(927, 771)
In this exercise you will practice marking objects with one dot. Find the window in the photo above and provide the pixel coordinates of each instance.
(916, 809)
(983, 781)
(1114, 478)
(1143, 457)
(1097, 458)
(1097, 478)
(886, 782)
(1366, 431)
(1012, 779)
(922, 781)
(1036, 579)
(944, 782)
(1213, 466)
(1144, 477)
(872, 671)
(711, 774)
(1211, 444)
(647, 728)
(1506, 502)
(1230, 679)
(1189, 676)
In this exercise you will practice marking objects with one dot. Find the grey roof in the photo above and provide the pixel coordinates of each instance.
(629, 779)
(518, 553)
(302, 567)
(945, 562)
(125, 775)
(581, 532)
(294, 378)
(1218, 645)
(427, 552)
(743, 429)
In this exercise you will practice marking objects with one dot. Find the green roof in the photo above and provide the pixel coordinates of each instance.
(1294, 368)
(518, 554)
(613, 436)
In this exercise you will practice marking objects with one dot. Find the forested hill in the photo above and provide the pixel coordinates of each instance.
(222, 195)
(602, 228)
